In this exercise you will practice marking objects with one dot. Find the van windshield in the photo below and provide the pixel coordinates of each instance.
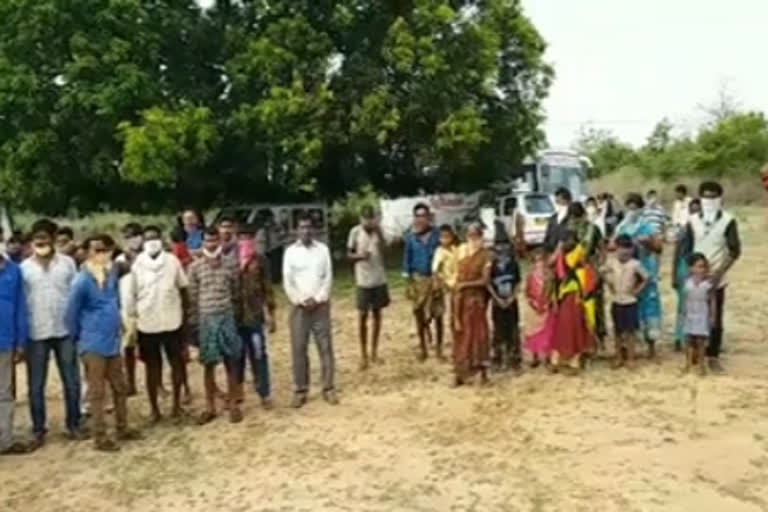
(539, 204)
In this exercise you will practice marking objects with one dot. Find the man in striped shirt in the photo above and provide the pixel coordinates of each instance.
(214, 299)
(654, 212)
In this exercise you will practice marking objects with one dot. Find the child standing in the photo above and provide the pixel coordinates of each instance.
(539, 290)
(699, 306)
(626, 278)
(444, 275)
(505, 279)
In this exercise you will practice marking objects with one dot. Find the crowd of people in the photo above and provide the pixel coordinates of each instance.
(209, 293)
(592, 251)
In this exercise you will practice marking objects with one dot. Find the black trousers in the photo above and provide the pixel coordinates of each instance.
(716, 333)
(506, 335)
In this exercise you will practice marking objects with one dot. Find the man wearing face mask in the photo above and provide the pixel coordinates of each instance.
(215, 297)
(13, 340)
(133, 241)
(558, 223)
(228, 236)
(154, 298)
(715, 234)
(257, 315)
(93, 319)
(48, 276)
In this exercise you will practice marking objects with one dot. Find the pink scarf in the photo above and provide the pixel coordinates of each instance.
(247, 251)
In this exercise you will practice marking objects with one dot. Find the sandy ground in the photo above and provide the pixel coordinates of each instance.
(651, 440)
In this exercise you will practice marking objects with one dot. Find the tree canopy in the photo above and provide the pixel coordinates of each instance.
(732, 144)
(149, 104)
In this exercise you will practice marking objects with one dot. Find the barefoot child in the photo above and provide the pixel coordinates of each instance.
(539, 288)
(626, 278)
(505, 278)
(444, 272)
(699, 306)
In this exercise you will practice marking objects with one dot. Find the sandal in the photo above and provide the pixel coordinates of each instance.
(129, 435)
(206, 417)
(235, 415)
(107, 445)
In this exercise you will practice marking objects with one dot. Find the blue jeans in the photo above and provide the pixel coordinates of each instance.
(259, 365)
(38, 354)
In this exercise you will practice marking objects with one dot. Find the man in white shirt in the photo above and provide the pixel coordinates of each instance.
(365, 250)
(47, 278)
(132, 244)
(307, 279)
(680, 207)
(154, 298)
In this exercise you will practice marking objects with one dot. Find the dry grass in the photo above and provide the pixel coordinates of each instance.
(630, 179)
(403, 441)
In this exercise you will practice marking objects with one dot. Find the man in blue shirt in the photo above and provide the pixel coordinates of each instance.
(13, 339)
(93, 318)
(420, 246)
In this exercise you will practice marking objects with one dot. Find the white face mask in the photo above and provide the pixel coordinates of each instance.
(562, 211)
(212, 254)
(710, 206)
(42, 251)
(153, 247)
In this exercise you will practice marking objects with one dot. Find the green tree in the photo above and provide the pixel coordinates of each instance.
(605, 150)
(137, 104)
(734, 146)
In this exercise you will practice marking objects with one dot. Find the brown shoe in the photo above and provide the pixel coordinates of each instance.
(235, 415)
(128, 434)
(106, 445)
(299, 400)
(330, 397)
(206, 417)
(267, 404)
(715, 366)
(20, 448)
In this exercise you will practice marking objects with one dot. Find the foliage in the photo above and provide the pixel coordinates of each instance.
(605, 150)
(146, 105)
(733, 145)
(345, 213)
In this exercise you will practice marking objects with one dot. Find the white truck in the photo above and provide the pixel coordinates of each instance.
(524, 202)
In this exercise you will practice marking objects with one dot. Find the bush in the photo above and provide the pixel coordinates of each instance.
(345, 214)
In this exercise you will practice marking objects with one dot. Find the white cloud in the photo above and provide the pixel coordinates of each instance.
(625, 64)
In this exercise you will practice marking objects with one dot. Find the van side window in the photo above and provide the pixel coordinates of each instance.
(510, 204)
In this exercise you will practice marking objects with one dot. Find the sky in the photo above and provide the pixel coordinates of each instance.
(622, 65)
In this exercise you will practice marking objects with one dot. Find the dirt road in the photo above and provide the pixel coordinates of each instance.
(403, 441)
